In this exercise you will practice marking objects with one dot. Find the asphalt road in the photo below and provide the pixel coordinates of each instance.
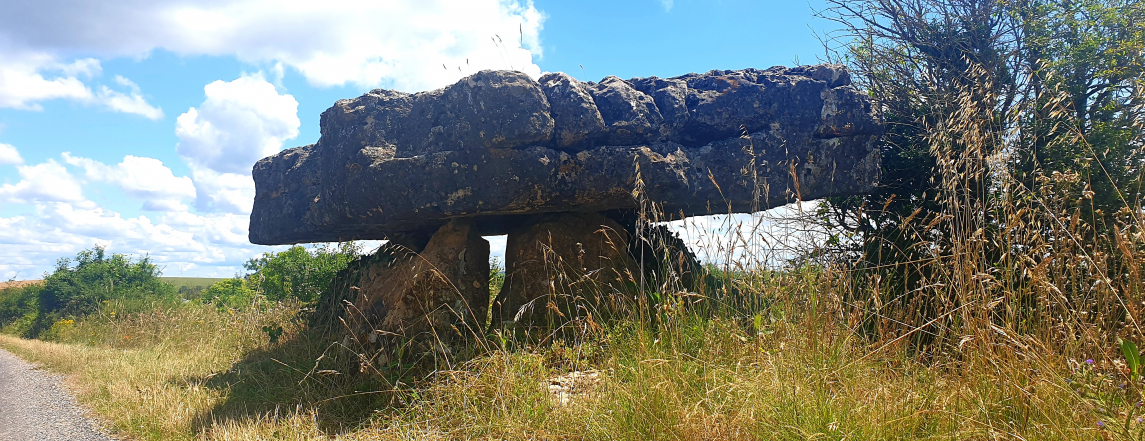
(35, 406)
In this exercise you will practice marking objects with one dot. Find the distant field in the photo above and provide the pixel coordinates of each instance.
(18, 283)
(190, 282)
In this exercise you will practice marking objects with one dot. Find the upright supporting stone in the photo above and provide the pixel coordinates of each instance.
(567, 264)
(431, 296)
(669, 266)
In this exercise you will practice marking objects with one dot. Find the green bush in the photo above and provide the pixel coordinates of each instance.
(230, 293)
(297, 272)
(95, 281)
(81, 286)
(496, 276)
(17, 302)
(18, 309)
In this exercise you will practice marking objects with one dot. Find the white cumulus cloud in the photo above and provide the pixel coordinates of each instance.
(211, 245)
(23, 82)
(131, 102)
(28, 77)
(409, 45)
(48, 182)
(223, 192)
(240, 122)
(106, 225)
(9, 155)
(143, 178)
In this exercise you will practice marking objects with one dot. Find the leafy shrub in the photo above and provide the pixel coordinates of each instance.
(193, 292)
(18, 309)
(17, 302)
(58, 329)
(496, 276)
(297, 272)
(81, 286)
(231, 293)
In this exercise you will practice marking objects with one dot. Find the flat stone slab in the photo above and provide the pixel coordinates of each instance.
(500, 147)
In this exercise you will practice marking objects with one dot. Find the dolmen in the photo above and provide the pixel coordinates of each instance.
(564, 168)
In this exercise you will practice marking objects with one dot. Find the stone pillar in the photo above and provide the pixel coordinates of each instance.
(431, 296)
(669, 266)
(563, 266)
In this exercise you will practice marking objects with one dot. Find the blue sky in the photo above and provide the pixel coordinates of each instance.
(134, 123)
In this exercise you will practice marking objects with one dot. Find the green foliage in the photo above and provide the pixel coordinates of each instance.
(273, 331)
(1056, 84)
(299, 273)
(79, 285)
(113, 285)
(496, 276)
(191, 288)
(18, 309)
(915, 69)
(1010, 126)
(230, 293)
(1086, 57)
(1132, 359)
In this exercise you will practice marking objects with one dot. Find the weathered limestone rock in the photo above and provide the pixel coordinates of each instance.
(578, 122)
(433, 295)
(630, 117)
(568, 264)
(499, 147)
(490, 109)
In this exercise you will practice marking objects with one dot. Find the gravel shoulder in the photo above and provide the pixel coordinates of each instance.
(34, 405)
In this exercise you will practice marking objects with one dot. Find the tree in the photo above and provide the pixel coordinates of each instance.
(230, 293)
(299, 273)
(79, 285)
(1084, 100)
(1005, 120)
(941, 74)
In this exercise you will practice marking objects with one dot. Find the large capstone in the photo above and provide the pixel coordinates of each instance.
(499, 147)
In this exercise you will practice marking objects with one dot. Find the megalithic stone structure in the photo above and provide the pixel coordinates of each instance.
(506, 153)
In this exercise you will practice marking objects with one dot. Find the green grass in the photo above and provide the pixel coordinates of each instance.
(190, 282)
(797, 371)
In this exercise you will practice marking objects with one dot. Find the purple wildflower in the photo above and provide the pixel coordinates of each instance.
(1089, 361)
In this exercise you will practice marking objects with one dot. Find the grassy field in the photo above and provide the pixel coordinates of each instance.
(178, 282)
(190, 282)
(797, 372)
(18, 283)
